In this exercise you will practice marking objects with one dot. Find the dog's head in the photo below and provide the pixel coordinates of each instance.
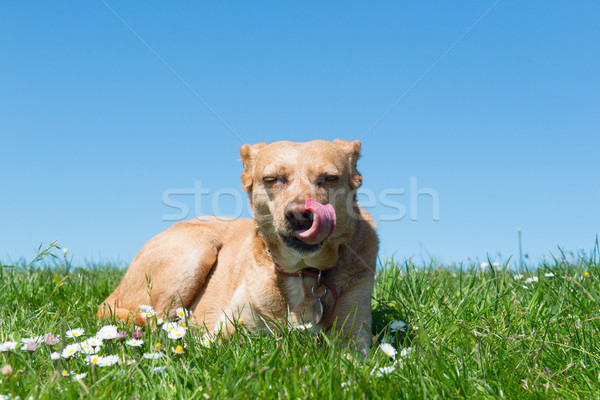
(280, 177)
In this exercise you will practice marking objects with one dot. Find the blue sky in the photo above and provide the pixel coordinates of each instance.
(95, 129)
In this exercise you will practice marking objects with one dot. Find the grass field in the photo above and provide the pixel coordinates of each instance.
(472, 333)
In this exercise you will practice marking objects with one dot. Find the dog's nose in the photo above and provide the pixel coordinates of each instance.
(298, 216)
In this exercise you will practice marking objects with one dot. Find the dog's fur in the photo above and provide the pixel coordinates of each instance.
(223, 270)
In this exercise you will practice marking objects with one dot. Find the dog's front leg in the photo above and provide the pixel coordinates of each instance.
(352, 316)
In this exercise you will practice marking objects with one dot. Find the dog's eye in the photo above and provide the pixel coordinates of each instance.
(327, 179)
(272, 179)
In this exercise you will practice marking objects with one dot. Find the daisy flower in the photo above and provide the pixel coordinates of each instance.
(147, 311)
(108, 361)
(29, 346)
(388, 339)
(405, 352)
(108, 332)
(94, 341)
(385, 370)
(50, 339)
(6, 371)
(518, 277)
(388, 349)
(73, 333)
(549, 274)
(134, 342)
(398, 326)
(70, 350)
(182, 313)
(6, 346)
(532, 279)
(129, 362)
(169, 326)
(65, 372)
(158, 370)
(90, 350)
(93, 359)
(151, 356)
(177, 350)
(207, 340)
(303, 327)
(79, 377)
(54, 356)
(35, 339)
(177, 333)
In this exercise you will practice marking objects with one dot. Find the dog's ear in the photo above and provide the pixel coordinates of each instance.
(248, 153)
(352, 150)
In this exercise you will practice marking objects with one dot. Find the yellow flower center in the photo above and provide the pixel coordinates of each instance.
(182, 324)
(179, 349)
(65, 372)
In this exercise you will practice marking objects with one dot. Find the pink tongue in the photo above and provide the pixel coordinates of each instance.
(323, 223)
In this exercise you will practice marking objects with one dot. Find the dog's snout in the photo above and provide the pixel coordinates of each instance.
(298, 216)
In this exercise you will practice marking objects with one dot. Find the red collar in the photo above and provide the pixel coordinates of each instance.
(317, 274)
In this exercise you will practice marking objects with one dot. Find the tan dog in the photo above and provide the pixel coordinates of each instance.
(226, 271)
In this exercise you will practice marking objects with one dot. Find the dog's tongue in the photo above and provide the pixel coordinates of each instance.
(323, 223)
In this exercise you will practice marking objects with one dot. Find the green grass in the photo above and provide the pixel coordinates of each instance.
(473, 333)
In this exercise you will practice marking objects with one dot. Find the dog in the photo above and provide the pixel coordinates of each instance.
(308, 255)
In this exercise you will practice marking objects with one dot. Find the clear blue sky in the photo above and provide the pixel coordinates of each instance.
(95, 128)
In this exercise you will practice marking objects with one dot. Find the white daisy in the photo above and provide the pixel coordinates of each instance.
(182, 313)
(29, 346)
(406, 351)
(484, 265)
(94, 341)
(158, 370)
(385, 370)
(6, 370)
(518, 277)
(73, 333)
(207, 340)
(6, 346)
(90, 350)
(147, 311)
(93, 359)
(34, 339)
(532, 279)
(303, 327)
(151, 356)
(388, 349)
(79, 377)
(169, 326)
(55, 356)
(177, 333)
(50, 339)
(134, 342)
(398, 326)
(108, 361)
(65, 372)
(70, 350)
(108, 332)
(549, 274)
(177, 350)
